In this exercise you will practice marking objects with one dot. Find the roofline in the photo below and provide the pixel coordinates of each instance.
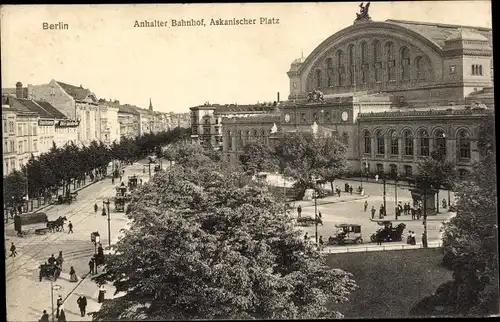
(438, 24)
(346, 31)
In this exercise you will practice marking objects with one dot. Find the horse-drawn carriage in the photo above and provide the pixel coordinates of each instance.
(132, 182)
(307, 221)
(120, 202)
(56, 225)
(36, 222)
(346, 234)
(388, 233)
(50, 271)
(67, 198)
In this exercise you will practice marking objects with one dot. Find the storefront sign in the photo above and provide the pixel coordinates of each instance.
(68, 123)
(46, 122)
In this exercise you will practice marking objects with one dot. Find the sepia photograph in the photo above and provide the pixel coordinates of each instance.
(257, 161)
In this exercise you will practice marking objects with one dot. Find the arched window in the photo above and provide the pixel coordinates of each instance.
(340, 60)
(345, 138)
(380, 142)
(408, 141)
(405, 63)
(419, 68)
(481, 70)
(440, 140)
(393, 169)
(464, 144)
(364, 61)
(229, 141)
(391, 64)
(394, 142)
(367, 142)
(255, 134)
(240, 139)
(329, 64)
(318, 79)
(248, 135)
(424, 142)
(351, 64)
(377, 55)
(263, 135)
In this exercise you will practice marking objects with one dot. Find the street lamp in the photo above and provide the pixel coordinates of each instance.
(52, 288)
(316, 211)
(106, 204)
(396, 179)
(383, 181)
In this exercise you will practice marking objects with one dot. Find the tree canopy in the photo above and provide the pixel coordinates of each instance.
(200, 246)
(302, 156)
(256, 157)
(61, 165)
(470, 242)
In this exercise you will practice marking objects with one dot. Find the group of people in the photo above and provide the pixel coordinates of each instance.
(381, 211)
(60, 314)
(321, 243)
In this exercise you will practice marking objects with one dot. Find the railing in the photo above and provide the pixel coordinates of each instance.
(426, 113)
(373, 248)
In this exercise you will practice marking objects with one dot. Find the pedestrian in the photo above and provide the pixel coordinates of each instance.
(140, 182)
(408, 239)
(350, 190)
(419, 212)
(338, 192)
(376, 177)
(91, 266)
(59, 303)
(102, 291)
(444, 203)
(72, 275)
(321, 243)
(306, 237)
(424, 240)
(96, 207)
(373, 212)
(45, 317)
(82, 304)
(379, 239)
(299, 211)
(413, 239)
(62, 316)
(366, 205)
(70, 226)
(381, 212)
(320, 218)
(412, 210)
(13, 251)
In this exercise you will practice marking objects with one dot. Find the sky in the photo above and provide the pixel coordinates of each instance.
(181, 67)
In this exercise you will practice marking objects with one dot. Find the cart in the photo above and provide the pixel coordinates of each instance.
(49, 271)
(388, 233)
(36, 222)
(120, 202)
(307, 221)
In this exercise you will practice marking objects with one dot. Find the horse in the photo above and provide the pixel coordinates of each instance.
(59, 223)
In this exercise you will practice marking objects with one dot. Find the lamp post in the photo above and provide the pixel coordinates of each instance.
(316, 212)
(52, 288)
(106, 204)
(396, 179)
(383, 181)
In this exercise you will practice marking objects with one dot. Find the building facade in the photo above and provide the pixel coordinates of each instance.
(110, 125)
(392, 92)
(128, 119)
(76, 103)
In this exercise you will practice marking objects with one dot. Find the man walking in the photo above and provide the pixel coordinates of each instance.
(70, 226)
(82, 304)
(45, 317)
(373, 212)
(91, 266)
(299, 211)
(59, 303)
(381, 212)
(13, 252)
(320, 218)
(366, 205)
(96, 207)
(321, 243)
(306, 237)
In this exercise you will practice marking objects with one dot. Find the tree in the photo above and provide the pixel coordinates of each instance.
(438, 171)
(14, 188)
(470, 242)
(200, 247)
(301, 156)
(256, 157)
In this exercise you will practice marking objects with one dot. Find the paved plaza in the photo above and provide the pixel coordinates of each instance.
(22, 272)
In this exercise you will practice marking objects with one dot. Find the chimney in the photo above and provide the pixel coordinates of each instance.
(19, 90)
(278, 100)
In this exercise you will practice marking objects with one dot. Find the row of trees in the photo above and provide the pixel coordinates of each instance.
(205, 244)
(470, 243)
(300, 156)
(59, 167)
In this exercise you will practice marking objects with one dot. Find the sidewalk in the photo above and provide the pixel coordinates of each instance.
(344, 197)
(442, 216)
(377, 248)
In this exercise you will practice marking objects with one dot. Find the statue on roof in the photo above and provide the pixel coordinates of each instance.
(315, 96)
(363, 12)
